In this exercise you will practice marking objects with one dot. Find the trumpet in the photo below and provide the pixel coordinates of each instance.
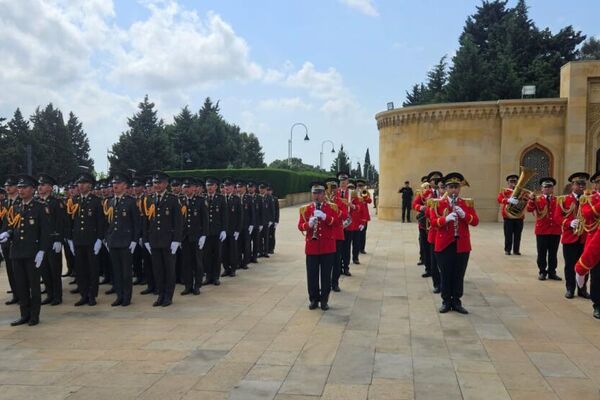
(453, 200)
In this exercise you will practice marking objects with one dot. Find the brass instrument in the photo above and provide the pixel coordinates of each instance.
(516, 211)
(453, 200)
(348, 220)
(584, 198)
(315, 234)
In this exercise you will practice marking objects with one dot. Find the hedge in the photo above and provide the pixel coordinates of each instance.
(283, 181)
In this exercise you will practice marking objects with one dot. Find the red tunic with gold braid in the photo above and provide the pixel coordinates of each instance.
(566, 211)
(544, 215)
(323, 240)
(445, 231)
(503, 197)
(590, 210)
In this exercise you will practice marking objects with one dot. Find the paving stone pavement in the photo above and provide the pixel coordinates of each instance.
(254, 337)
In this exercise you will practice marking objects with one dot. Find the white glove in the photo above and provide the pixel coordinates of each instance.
(57, 247)
(132, 246)
(174, 247)
(361, 227)
(250, 229)
(71, 246)
(236, 235)
(147, 245)
(320, 214)
(97, 246)
(513, 201)
(201, 242)
(3, 237)
(105, 243)
(260, 228)
(574, 224)
(580, 280)
(222, 236)
(460, 212)
(451, 217)
(276, 223)
(312, 222)
(39, 257)
(270, 223)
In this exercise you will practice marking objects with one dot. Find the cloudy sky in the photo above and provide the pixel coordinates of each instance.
(330, 64)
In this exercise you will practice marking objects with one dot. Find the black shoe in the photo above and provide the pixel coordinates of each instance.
(125, 303)
(569, 294)
(507, 253)
(225, 273)
(244, 267)
(73, 282)
(166, 303)
(217, 282)
(356, 261)
(44, 291)
(208, 282)
(34, 321)
(20, 321)
(157, 303)
(92, 302)
(313, 305)
(117, 302)
(196, 291)
(336, 289)
(137, 282)
(554, 277)
(363, 252)
(56, 302)
(81, 302)
(266, 256)
(65, 275)
(436, 289)
(74, 291)
(232, 273)
(104, 282)
(542, 277)
(11, 301)
(420, 263)
(445, 308)
(517, 253)
(596, 312)
(324, 306)
(110, 291)
(426, 275)
(254, 261)
(346, 272)
(147, 291)
(186, 292)
(583, 293)
(459, 309)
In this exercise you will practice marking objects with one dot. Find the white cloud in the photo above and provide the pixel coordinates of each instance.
(285, 103)
(175, 49)
(365, 7)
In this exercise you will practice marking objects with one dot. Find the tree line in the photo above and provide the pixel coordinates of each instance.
(500, 50)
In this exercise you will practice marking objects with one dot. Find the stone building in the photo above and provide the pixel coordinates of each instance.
(489, 140)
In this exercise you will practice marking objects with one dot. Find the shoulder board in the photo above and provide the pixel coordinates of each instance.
(432, 202)
(561, 199)
(470, 202)
(333, 206)
(303, 209)
(583, 199)
(418, 192)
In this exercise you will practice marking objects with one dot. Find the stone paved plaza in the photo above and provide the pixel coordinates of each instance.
(254, 337)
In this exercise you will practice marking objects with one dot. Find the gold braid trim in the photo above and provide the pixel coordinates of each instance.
(3, 212)
(184, 210)
(14, 221)
(149, 212)
(108, 210)
(72, 208)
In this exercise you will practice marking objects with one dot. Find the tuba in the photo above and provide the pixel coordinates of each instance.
(515, 211)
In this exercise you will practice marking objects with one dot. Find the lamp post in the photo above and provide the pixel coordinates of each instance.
(306, 139)
(321, 155)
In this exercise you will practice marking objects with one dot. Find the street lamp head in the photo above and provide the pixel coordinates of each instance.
(332, 150)
(306, 138)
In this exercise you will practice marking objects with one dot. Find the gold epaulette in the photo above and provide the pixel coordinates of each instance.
(561, 199)
(418, 192)
(303, 209)
(333, 206)
(432, 203)
(583, 199)
(470, 202)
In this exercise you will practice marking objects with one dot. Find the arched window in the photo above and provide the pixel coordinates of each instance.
(540, 160)
(597, 161)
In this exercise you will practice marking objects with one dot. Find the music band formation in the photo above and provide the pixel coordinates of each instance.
(158, 229)
(571, 219)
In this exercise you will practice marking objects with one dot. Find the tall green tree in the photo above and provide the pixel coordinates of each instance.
(341, 162)
(145, 146)
(252, 155)
(18, 135)
(366, 163)
(591, 49)
(79, 142)
(188, 147)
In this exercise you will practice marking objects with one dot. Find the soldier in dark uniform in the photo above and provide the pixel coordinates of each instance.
(248, 222)
(123, 233)
(258, 220)
(146, 202)
(71, 193)
(267, 219)
(273, 228)
(52, 266)
(104, 256)
(217, 224)
(234, 226)
(26, 225)
(137, 186)
(176, 189)
(12, 198)
(195, 229)
(162, 237)
(85, 238)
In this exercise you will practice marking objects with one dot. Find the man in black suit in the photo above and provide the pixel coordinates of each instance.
(123, 233)
(407, 196)
(217, 225)
(233, 228)
(85, 238)
(27, 227)
(273, 228)
(162, 237)
(268, 218)
(248, 222)
(12, 198)
(257, 206)
(195, 229)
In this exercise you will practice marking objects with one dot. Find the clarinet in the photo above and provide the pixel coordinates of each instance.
(454, 198)
(314, 233)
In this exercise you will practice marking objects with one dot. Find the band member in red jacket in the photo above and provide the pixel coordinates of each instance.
(357, 214)
(513, 227)
(318, 220)
(331, 185)
(417, 203)
(573, 240)
(589, 260)
(432, 233)
(365, 198)
(344, 195)
(420, 205)
(547, 231)
(453, 215)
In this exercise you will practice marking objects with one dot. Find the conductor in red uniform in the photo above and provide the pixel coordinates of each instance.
(453, 215)
(318, 220)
